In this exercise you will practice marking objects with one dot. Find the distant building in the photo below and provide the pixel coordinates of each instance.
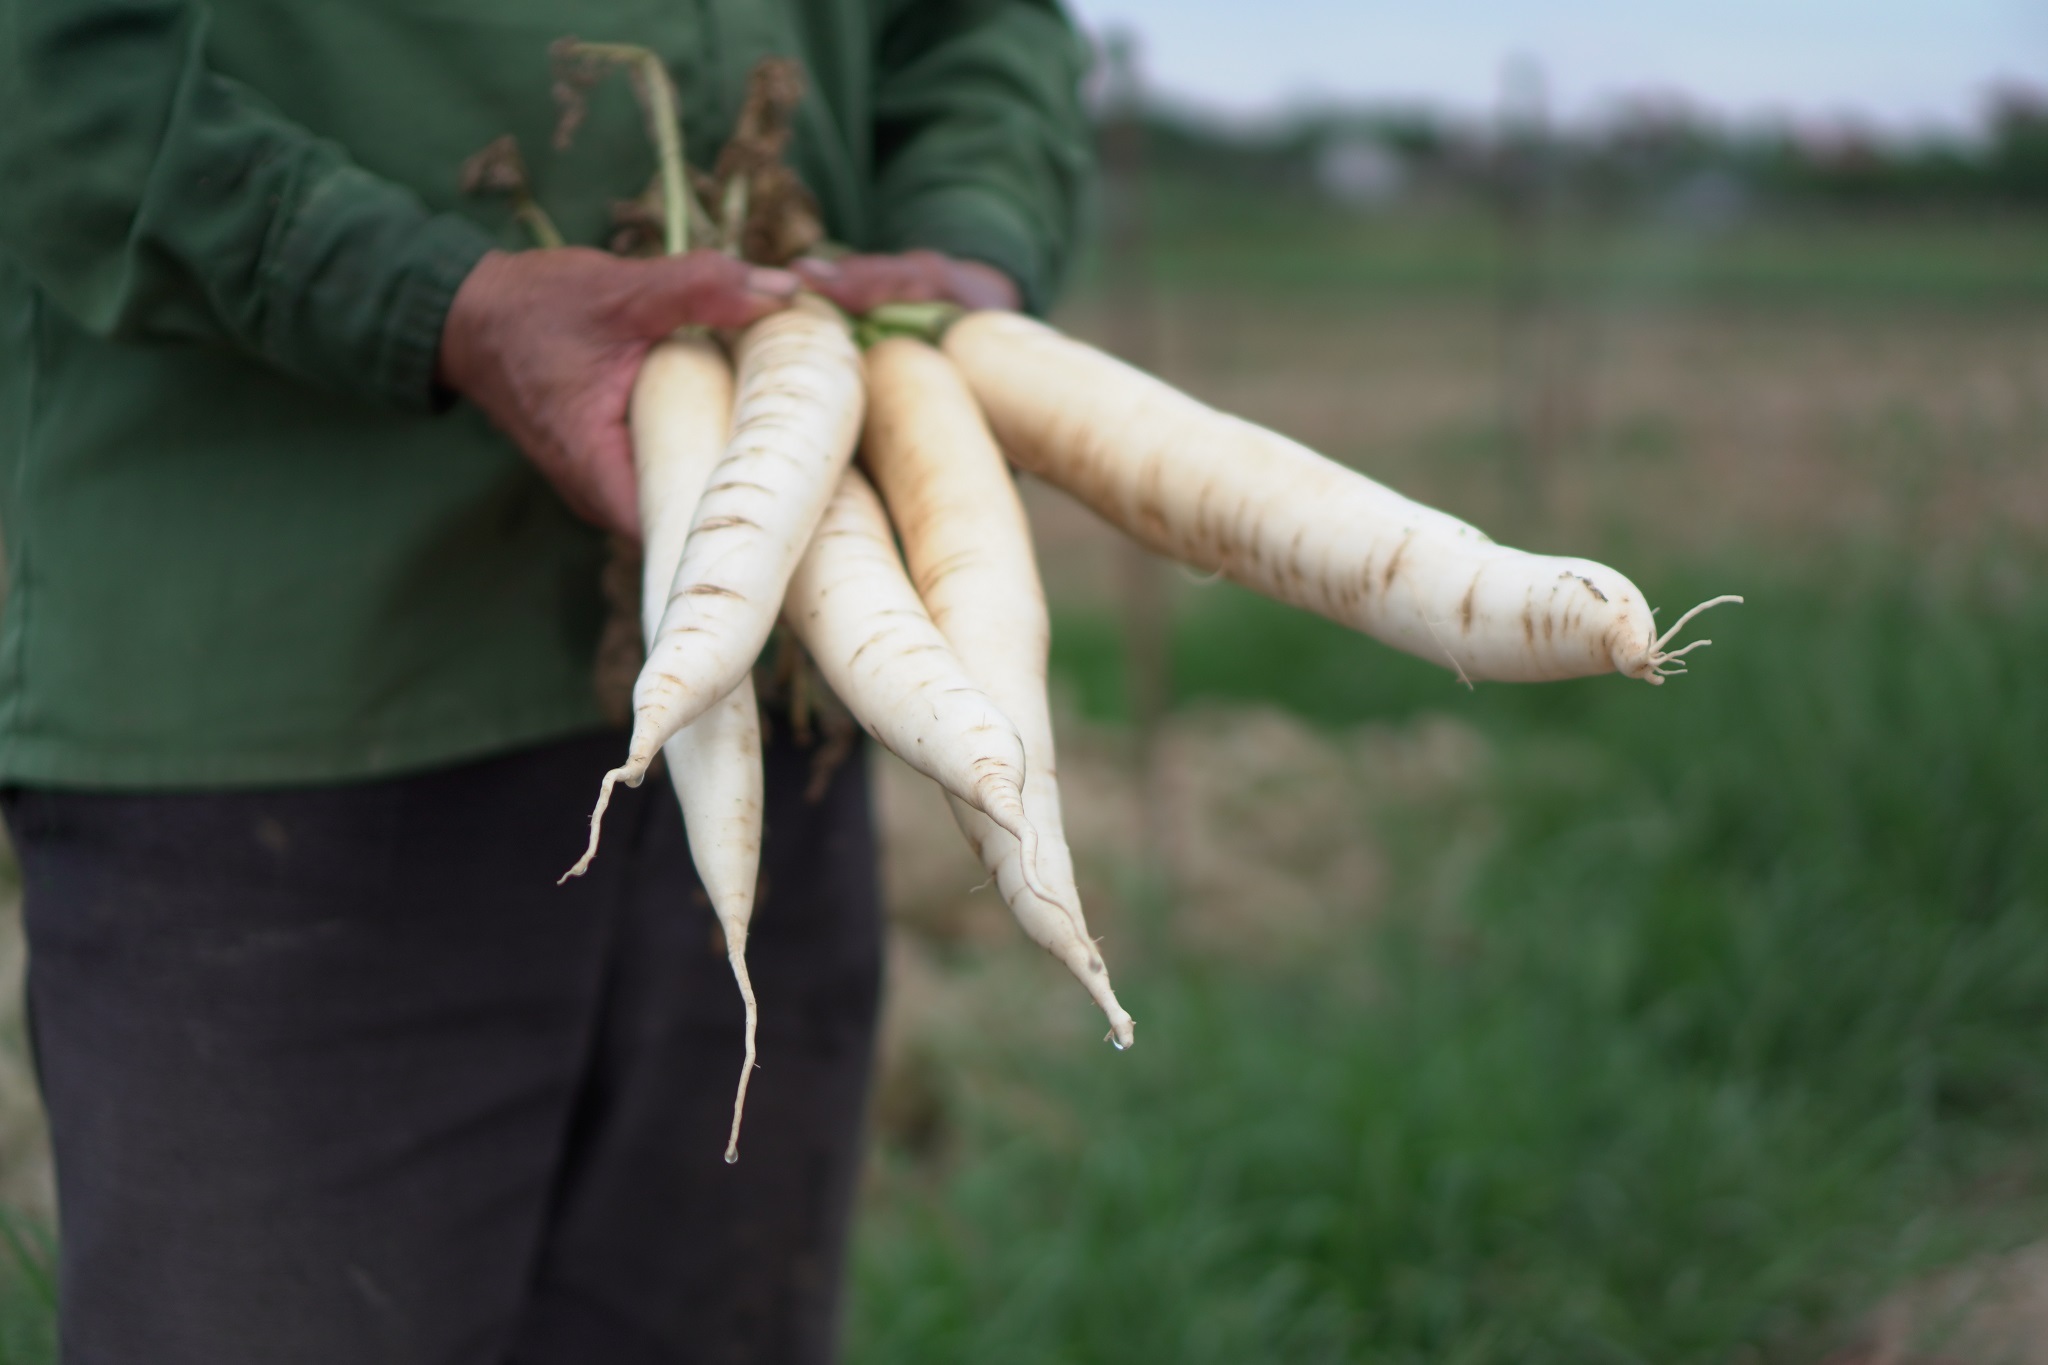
(1710, 199)
(1362, 172)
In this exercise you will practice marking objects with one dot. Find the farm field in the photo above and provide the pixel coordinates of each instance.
(1575, 1023)
(1582, 1023)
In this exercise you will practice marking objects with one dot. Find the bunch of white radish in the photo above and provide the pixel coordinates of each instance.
(944, 662)
(752, 512)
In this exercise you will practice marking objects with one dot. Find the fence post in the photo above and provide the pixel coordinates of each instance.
(1533, 381)
(1145, 604)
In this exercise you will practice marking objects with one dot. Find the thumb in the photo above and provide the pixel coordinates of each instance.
(704, 289)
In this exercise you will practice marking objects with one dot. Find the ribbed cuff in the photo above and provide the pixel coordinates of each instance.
(976, 224)
(449, 248)
(360, 285)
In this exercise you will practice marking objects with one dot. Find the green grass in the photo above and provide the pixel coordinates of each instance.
(1737, 1022)
(1205, 237)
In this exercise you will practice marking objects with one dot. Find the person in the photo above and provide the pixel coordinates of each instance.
(305, 471)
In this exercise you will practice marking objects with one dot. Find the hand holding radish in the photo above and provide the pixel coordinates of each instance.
(547, 344)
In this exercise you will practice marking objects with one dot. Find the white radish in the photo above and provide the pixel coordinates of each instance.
(1229, 497)
(853, 607)
(968, 546)
(795, 422)
(680, 416)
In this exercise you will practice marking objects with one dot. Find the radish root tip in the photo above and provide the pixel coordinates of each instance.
(738, 957)
(604, 798)
(1026, 835)
(1657, 664)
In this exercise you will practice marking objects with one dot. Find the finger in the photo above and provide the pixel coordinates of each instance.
(975, 285)
(703, 289)
(860, 284)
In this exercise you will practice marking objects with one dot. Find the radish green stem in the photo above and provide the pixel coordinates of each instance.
(664, 124)
(536, 220)
(924, 321)
(498, 169)
(734, 213)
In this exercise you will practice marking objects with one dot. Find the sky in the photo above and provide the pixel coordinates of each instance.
(1901, 65)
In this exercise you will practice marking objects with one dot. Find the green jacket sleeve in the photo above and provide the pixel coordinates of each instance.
(152, 198)
(982, 147)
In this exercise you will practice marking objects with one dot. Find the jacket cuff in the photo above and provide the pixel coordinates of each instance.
(447, 250)
(359, 285)
(976, 224)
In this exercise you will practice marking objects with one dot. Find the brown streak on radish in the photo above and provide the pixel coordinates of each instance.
(1465, 607)
(944, 569)
(1393, 568)
(712, 590)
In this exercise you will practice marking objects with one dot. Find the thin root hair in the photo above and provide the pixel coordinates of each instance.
(1026, 835)
(738, 958)
(1659, 660)
(1455, 665)
(604, 798)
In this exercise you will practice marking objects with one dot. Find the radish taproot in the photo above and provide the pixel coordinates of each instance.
(1225, 496)
(795, 421)
(680, 415)
(968, 548)
(854, 609)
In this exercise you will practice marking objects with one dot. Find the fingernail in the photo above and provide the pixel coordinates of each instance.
(775, 283)
(817, 267)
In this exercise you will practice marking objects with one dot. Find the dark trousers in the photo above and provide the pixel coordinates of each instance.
(340, 1075)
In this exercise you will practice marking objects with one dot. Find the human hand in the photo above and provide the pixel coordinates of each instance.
(548, 344)
(859, 284)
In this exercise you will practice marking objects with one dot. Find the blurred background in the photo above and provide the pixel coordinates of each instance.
(1579, 1023)
(1582, 1023)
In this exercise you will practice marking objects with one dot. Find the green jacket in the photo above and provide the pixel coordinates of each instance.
(244, 546)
